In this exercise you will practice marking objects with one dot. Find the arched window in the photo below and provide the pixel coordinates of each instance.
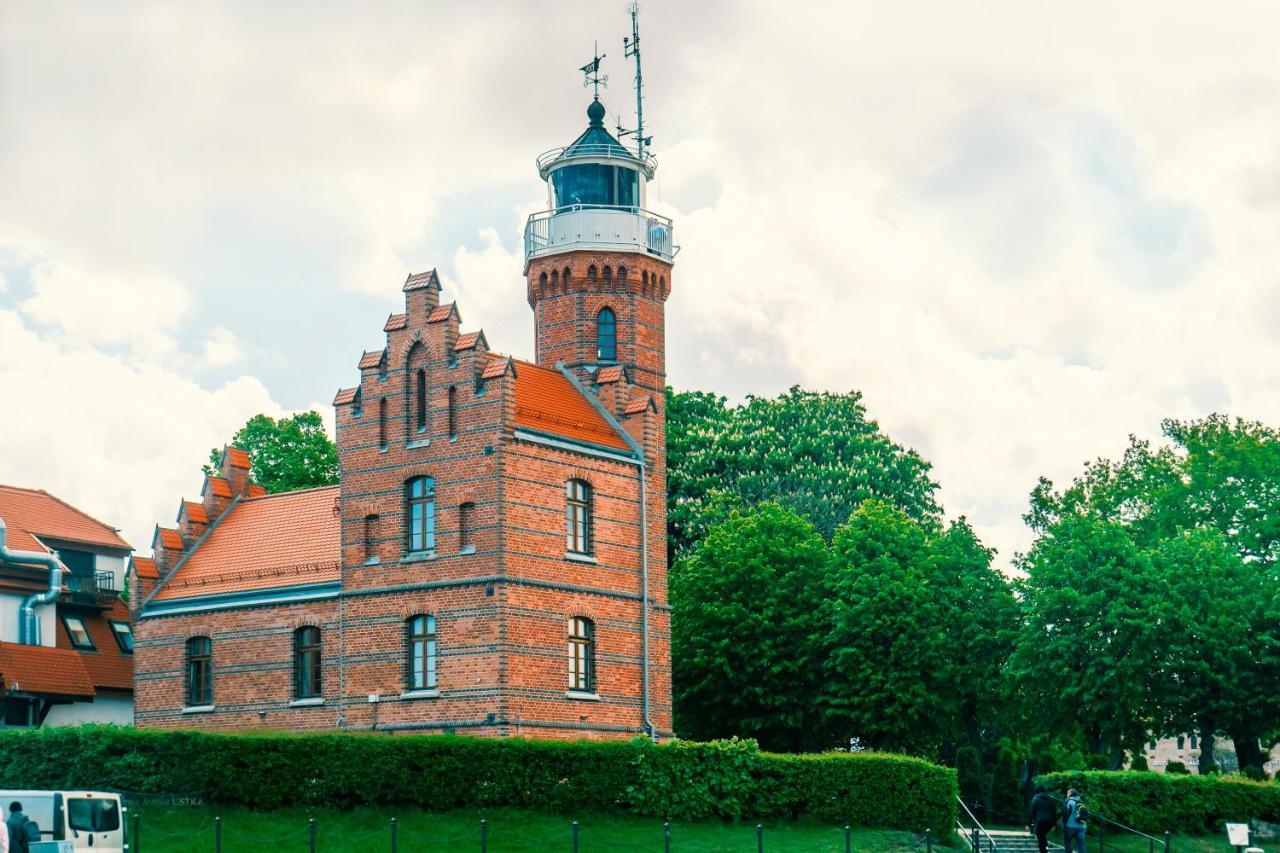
(382, 423)
(555, 279)
(578, 517)
(199, 671)
(371, 538)
(606, 336)
(582, 654)
(606, 276)
(622, 276)
(542, 279)
(453, 411)
(466, 528)
(420, 401)
(565, 277)
(420, 653)
(306, 662)
(591, 273)
(420, 510)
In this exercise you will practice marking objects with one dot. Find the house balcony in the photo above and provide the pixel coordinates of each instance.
(97, 589)
(625, 229)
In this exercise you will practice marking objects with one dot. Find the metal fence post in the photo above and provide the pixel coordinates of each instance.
(575, 837)
(848, 839)
(1167, 836)
(666, 837)
(311, 830)
(484, 836)
(928, 840)
(394, 832)
(217, 835)
(1102, 836)
(137, 832)
(759, 838)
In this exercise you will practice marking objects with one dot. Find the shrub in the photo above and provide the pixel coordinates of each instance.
(1138, 761)
(683, 780)
(1155, 802)
(969, 775)
(1176, 767)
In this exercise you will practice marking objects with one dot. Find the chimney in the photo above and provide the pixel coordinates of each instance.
(235, 470)
(421, 296)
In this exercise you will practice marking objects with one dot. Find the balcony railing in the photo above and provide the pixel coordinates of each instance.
(631, 229)
(99, 588)
(593, 152)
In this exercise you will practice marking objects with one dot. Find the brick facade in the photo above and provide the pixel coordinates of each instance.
(501, 437)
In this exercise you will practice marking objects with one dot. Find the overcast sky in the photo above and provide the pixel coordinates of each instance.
(1022, 229)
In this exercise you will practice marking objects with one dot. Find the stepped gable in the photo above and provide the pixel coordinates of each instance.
(29, 513)
(268, 542)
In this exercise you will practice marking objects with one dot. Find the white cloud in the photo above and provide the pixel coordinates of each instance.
(221, 348)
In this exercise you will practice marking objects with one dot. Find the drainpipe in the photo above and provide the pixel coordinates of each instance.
(28, 624)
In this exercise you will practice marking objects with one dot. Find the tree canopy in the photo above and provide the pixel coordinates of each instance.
(286, 454)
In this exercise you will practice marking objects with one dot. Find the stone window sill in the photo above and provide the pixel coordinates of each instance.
(422, 442)
(198, 709)
(580, 558)
(418, 556)
(372, 561)
(309, 702)
(467, 549)
(420, 694)
(582, 696)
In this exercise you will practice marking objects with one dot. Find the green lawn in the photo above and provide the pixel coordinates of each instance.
(1125, 843)
(190, 830)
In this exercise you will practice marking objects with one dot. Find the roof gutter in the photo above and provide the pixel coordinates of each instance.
(642, 476)
(28, 624)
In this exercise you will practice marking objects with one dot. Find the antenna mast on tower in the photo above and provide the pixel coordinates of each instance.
(631, 47)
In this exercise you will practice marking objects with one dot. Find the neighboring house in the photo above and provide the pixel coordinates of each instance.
(78, 665)
(1186, 748)
(493, 560)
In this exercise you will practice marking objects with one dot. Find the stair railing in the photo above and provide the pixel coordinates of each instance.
(1104, 822)
(975, 834)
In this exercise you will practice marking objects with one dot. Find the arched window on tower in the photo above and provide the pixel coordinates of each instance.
(606, 276)
(606, 336)
(591, 273)
(564, 277)
(622, 276)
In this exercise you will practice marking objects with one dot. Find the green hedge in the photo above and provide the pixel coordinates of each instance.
(680, 780)
(1155, 802)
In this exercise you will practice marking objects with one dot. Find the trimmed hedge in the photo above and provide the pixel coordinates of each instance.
(1155, 802)
(681, 780)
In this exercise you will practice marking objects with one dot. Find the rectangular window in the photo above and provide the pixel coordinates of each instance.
(199, 672)
(581, 655)
(78, 633)
(453, 411)
(421, 653)
(382, 423)
(578, 517)
(421, 512)
(124, 636)
(371, 539)
(306, 654)
(98, 815)
(466, 520)
(422, 401)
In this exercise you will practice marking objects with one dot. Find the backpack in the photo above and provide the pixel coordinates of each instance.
(1076, 812)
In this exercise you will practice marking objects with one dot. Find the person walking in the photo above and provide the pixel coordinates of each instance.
(1042, 814)
(1075, 827)
(17, 831)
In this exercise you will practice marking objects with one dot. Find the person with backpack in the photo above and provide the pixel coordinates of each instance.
(1042, 814)
(18, 830)
(1075, 825)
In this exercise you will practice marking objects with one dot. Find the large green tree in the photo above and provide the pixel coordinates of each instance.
(285, 454)
(744, 624)
(815, 453)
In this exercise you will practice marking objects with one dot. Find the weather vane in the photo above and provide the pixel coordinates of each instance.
(591, 73)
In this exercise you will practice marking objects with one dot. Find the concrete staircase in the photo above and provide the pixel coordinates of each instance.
(1005, 841)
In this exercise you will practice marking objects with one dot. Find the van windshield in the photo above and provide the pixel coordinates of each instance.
(93, 815)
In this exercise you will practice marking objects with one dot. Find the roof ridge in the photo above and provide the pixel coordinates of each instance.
(76, 510)
(290, 492)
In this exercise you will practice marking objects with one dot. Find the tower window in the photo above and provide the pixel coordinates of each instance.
(306, 662)
(420, 653)
(420, 401)
(606, 336)
(578, 517)
(199, 671)
(606, 276)
(622, 275)
(582, 641)
(591, 273)
(382, 423)
(466, 528)
(565, 277)
(420, 508)
(453, 411)
(371, 539)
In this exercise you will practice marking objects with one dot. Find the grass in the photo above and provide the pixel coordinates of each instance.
(190, 830)
(1125, 843)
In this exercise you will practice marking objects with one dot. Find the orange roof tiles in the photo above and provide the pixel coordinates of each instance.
(396, 322)
(239, 458)
(419, 280)
(145, 567)
(345, 396)
(170, 539)
(638, 404)
(609, 374)
(372, 359)
(195, 512)
(29, 513)
(548, 402)
(496, 367)
(256, 490)
(106, 664)
(220, 486)
(441, 312)
(44, 669)
(468, 341)
(286, 539)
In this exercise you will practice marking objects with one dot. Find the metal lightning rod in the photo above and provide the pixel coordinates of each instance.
(631, 47)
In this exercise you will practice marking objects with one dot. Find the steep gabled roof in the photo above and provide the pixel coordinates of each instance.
(371, 360)
(419, 280)
(468, 340)
(441, 313)
(29, 513)
(281, 540)
(547, 402)
(396, 322)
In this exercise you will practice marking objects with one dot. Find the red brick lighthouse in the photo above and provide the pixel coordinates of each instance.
(493, 560)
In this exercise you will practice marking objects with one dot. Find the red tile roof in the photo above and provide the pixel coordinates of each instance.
(195, 512)
(419, 280)
(441, 313)
(468, 341)
(609, 374)
(239, 458)
(345, 396)
(371, 359)
(256, 490)
(106, 665)
(170, 539)
(396, 322)
(548, 402)
(220, 486)
(496, 367)
(44, 669)
(145, 567)
(29, 513)
(286, 539)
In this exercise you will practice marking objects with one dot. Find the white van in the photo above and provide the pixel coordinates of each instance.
(89, 820)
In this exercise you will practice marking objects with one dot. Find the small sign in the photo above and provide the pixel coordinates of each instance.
(1238, 834)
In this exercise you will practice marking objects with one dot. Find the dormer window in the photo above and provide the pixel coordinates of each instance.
(77, 631)
(606, 336)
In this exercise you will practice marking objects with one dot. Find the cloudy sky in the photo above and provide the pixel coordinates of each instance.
(1022, 229)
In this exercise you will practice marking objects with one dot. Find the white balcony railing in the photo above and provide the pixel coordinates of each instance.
(630, 229)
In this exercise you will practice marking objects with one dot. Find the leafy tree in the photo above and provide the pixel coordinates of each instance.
(286, 454)
(886, 650)
(745, 609)
(817, 454)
